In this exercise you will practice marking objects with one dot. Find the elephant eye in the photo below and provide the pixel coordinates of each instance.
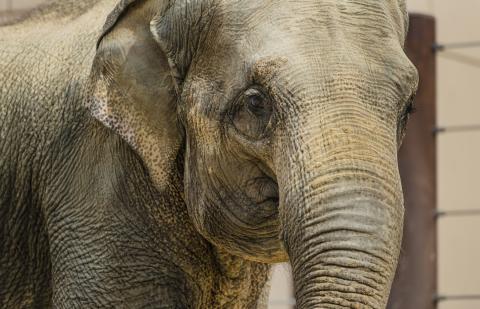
(252, 114)
(256, 104)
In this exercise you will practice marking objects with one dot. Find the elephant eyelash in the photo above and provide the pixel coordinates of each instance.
(410, 107)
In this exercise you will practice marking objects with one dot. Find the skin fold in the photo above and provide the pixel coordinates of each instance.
(164, 153)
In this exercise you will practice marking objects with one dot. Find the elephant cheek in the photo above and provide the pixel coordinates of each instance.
(229, 219)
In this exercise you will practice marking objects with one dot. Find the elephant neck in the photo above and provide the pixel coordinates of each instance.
(214, 278)
(239, 281)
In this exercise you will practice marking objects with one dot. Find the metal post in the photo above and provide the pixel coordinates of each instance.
(415, 284)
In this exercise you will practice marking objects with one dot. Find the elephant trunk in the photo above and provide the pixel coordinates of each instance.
(341, 213)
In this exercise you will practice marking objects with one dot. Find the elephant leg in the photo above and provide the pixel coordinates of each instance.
(120, 242)
(240, 282)
(116, 241)
(92, 267)
(24, 257)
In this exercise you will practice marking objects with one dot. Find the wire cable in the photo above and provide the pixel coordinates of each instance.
(442, 47)
(462, 128)
(457, 213)
(439, 298)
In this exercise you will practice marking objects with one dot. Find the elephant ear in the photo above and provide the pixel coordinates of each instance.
(135, 85)
(180, 31)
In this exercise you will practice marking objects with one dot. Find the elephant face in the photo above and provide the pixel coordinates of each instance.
(288, 116)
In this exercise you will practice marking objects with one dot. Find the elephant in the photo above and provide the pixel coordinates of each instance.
(165, 153)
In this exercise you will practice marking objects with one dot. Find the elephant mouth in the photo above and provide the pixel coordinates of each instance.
(248, 223)
(265, 194)
(263, 222)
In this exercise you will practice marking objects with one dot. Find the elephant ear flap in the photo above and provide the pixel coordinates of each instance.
(133, 91)
(179, 32)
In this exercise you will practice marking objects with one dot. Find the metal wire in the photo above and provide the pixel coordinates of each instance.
(459, 45)
(457, 213)
(440, 298)
(464, 128)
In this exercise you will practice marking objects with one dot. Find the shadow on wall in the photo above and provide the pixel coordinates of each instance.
(10, 10)
(7, 17)
(13, 5)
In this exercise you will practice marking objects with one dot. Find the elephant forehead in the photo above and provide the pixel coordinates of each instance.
(380, 16)
(308, 33)
(268, 67)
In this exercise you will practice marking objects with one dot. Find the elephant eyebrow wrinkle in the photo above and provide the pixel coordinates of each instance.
(266, 69)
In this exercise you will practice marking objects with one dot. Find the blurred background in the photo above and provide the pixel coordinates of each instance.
(457, 274)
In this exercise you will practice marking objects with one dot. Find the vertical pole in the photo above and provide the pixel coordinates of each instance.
(415, 284)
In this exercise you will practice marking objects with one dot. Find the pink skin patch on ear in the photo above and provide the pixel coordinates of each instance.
(100, 109)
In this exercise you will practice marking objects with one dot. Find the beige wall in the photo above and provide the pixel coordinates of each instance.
(458, 153)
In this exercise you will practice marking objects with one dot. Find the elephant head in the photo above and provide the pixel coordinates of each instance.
(282, 121)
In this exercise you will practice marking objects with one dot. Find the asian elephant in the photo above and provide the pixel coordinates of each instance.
(165, 157)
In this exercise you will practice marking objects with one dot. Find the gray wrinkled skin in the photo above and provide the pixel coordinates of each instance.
(166, 156)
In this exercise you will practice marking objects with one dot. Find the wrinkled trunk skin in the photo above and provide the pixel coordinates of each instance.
(341, 204)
